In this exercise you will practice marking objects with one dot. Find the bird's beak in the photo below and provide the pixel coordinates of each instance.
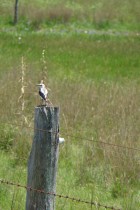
(38, 85)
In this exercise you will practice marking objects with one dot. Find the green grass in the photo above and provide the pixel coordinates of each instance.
(10, 196)
(122, 15)
(98, 57)
(95, 81)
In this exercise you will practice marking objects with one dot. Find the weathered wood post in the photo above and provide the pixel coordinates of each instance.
(16, 12)
(42, 165)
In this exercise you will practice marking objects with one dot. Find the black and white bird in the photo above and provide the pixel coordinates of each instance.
(43, 92)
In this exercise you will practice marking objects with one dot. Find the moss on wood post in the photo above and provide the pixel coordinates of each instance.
(42, 165)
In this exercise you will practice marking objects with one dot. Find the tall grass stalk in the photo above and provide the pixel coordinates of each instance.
(22, 80)
(44, 67)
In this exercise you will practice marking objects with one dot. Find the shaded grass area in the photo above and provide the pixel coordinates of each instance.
(95, 81)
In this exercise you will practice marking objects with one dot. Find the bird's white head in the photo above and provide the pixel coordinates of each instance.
(41, 84)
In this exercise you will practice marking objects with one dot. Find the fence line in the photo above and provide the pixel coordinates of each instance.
(73, 136)
(2, 181)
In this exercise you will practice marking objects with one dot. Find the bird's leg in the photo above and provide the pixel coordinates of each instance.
(46, 102)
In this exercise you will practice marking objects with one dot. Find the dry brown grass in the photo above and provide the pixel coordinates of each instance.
(54, 13)
(105, 111)
(59, 13)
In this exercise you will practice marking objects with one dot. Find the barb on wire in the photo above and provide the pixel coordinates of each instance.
(2, 181)
(73, 136)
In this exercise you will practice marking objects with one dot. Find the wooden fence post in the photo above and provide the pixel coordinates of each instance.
(16, 12)
(42, 165)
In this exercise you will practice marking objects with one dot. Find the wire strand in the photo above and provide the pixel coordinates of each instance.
(2, 181)
(77, 137)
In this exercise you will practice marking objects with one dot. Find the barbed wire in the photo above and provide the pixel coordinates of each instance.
(105, 143)
(73, 136)
(2, 181)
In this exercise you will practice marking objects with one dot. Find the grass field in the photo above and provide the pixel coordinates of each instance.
(100, 76)
(122, 15)
(95, 79)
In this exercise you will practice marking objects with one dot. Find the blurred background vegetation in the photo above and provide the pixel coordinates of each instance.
(93, 77)
(98, 14)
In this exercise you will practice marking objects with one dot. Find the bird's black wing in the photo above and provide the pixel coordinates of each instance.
(42, 95)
